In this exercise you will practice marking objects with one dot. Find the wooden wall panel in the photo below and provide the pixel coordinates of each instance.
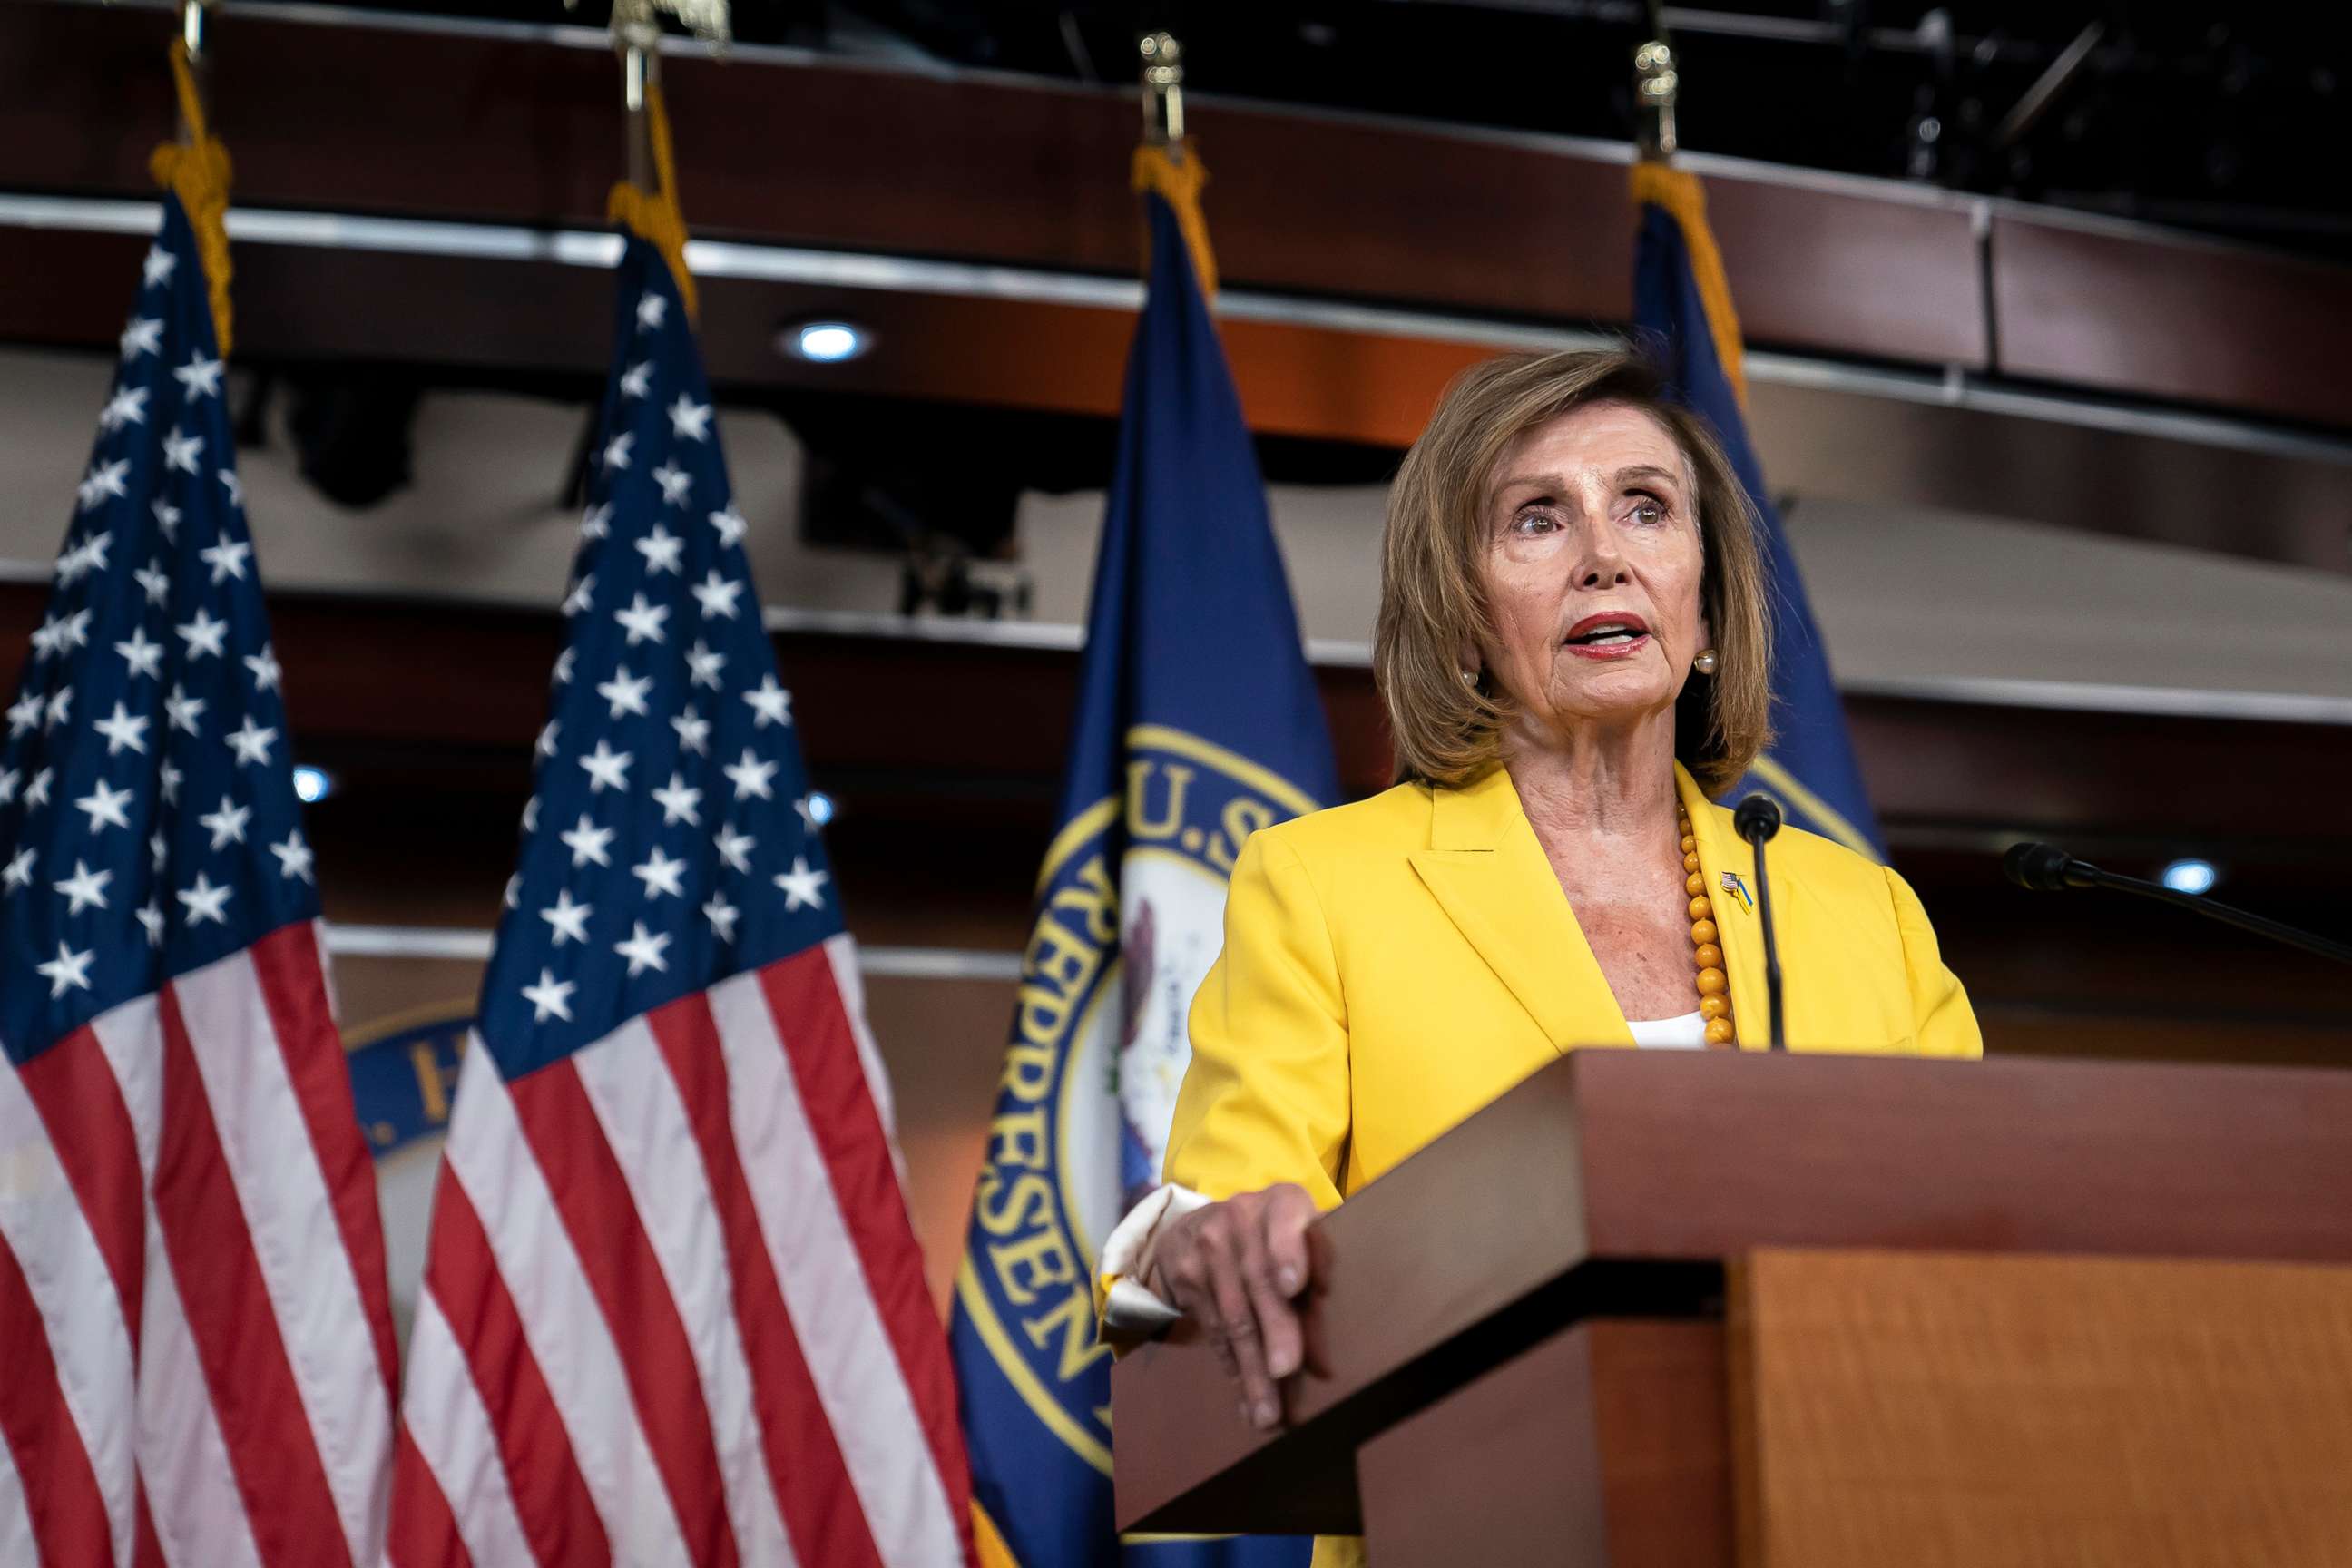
(818, 150)
(2184, 319)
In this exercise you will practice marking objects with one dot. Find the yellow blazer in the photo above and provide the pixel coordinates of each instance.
(1392, 965)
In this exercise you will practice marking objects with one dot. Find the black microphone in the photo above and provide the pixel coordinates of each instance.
(2046, 869)
(1757, 818)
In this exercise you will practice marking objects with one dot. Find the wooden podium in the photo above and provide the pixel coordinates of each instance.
(1808, 1311)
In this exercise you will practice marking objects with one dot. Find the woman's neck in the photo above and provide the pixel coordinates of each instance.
(1596, 783)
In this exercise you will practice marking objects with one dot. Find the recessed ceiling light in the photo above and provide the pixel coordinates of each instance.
(2189, 876)
(825, 343)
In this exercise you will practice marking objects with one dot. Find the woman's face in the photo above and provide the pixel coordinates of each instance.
(1592, 565)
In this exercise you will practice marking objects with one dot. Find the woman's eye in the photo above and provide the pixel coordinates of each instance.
(1534, 521)
(1647, 510)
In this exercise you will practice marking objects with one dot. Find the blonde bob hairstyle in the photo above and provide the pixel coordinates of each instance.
(1432, 571)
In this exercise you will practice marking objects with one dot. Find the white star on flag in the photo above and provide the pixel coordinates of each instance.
(204, 634)
(679, 802)
(644, 951)
(588, 842)
(721, 916)
(569, 917)
(104, 806)
(250, 742)
(690, 420)
(607, 769)
(204, 902)
(294, 857)
(123, 731)
(730, 526)
(266, 668)
(750, 776)
(550, 998)
(18, 872)
(84, 889)
(226, 559)
(128, 406)
(801, 885)
(182, 710)
(638, 380)
(181, 451)
(201, 376)
(167, 518)
(660, 873)
(141, 657)
(642, 621)
(734, 849)
(104, 481)
(626, 693)
(676, 483)
(716, 595)
(693, 732)
(151, 915)
(616, 451)
(702, 666)
(651, 309)
(156, 270)
(227, 824)
(153, 582)
(143, 335)
(771, 702)
(660, 548)
(69, 969)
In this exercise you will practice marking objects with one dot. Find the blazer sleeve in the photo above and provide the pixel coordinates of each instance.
(1265, 1099)
(1946, 1025)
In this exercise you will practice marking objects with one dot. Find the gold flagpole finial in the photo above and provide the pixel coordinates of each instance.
(1656, 84)
(1163, 90)
(1165, 162)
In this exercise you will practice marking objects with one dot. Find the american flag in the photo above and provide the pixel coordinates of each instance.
(193, 1313)
(673, 1308)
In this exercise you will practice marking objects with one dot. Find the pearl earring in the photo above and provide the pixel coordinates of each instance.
(1706, 663)
(1469, 678)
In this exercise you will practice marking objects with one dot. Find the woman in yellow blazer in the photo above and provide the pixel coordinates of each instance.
(1573, 648)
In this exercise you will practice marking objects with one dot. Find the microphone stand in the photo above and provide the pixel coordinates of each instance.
(1757, 820)
(2044, 868)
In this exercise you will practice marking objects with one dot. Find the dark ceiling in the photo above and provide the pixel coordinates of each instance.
(2228, 120)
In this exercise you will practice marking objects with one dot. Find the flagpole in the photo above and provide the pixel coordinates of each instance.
(192, 40)
(1163, 92)
(1656, 86)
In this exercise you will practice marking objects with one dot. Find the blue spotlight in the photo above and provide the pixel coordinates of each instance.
(2189, 876)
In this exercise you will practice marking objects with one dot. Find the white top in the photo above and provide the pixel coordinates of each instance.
(1685, 1033)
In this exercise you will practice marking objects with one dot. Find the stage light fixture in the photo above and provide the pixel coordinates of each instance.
(312, 785)
(824, 341)
(2189, 876)
(820, 807)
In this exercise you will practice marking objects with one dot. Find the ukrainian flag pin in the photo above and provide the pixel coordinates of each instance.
(1733, 884)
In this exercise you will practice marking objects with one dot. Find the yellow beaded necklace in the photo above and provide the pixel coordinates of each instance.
(1714, 985)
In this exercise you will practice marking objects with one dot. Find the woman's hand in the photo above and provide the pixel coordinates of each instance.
(1234, 1267)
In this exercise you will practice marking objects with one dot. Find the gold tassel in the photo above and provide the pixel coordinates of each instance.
(197, 172)
(653, 216)
(1679, 192)
(1179, 182)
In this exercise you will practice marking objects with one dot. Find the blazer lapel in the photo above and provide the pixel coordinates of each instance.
(1738, 921)
(1486, 870)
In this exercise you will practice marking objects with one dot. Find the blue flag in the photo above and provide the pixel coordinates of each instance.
(1198, 723)
(1681, 304)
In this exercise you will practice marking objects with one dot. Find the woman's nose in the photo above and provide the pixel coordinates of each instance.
(1602, 565)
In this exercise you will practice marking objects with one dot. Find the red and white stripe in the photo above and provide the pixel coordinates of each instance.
(193, 1307)
(673, 1307)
